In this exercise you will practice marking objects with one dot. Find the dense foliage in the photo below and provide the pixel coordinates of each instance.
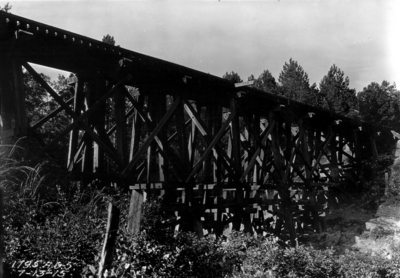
(294, 84)
(337, 96)
(266, 82)
(68, 226)
(379, 104)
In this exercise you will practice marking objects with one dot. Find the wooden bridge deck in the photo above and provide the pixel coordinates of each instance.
(219, 154)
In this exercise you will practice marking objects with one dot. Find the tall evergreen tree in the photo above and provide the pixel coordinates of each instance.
(379, 104)
(336, 94)
(294, 84)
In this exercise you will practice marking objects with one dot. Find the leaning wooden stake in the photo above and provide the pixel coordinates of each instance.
(109, 241)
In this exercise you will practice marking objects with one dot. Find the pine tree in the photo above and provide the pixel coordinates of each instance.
(336, 94)
(294, 84)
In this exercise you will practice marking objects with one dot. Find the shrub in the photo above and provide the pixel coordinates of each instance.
(160, 252)
(51, 227)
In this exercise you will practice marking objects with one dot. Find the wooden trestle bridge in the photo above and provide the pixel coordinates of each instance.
(219, 154)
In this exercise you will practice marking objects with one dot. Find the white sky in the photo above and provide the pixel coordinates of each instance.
(243, 36)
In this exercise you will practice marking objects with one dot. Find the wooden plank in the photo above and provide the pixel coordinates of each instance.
(138, 197)
(246, 83)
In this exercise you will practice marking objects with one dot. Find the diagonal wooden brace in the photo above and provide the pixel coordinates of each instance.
(163, 148)
(226, 161)
(151, 137)
(257, 152)
(51, 115)
(326, 144)
(78, 120)
(211, 145)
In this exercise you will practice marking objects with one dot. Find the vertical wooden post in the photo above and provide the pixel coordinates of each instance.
(310, 192)
(21, 127)
(306, 154)
(334, 164)
(283, 187)
(256, 138)
(87, 161)
(373, 147)
(208, 174)
(121, 144)
(78, 104)
(110, 237)
(138, 197)
(100, 125)
(160, 112)
(356, 148)
(237, 165)
(217, 126)
(7, 99)
(193, 139)
(136, 129)
(2, 253)
(151, 102)
(340, 149)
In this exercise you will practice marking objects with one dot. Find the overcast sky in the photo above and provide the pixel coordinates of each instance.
(243, 36)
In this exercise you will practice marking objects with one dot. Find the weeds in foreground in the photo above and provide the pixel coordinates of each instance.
(50, 222)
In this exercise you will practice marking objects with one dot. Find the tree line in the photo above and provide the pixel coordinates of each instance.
(376, 103)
